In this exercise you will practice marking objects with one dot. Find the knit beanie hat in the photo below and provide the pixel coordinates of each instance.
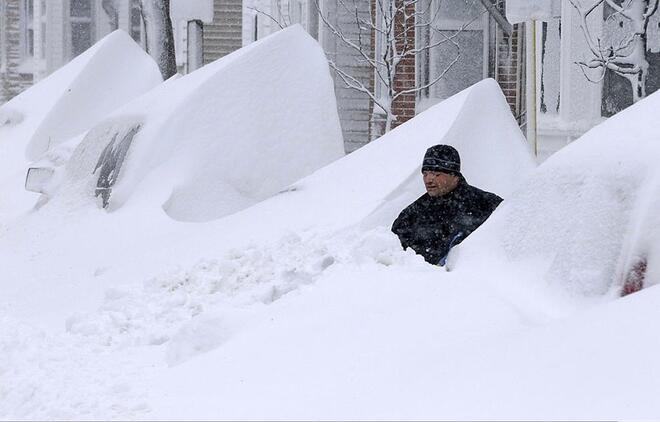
(443, 158)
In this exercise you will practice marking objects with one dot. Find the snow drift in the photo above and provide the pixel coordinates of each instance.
(221, 138)
(70, 101)
(138, 291)
(385, 339)
(493, 151)
(367, 188)
(304, 306)
(587, 218)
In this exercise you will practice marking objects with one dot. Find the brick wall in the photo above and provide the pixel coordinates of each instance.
(404, 106)
(510, 69)
(225, 34)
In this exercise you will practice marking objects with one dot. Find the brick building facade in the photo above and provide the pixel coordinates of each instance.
(404, 106)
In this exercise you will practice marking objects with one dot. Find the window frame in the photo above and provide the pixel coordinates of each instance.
(91, 20)
(26, 12)
(3, 43)
(424, 70)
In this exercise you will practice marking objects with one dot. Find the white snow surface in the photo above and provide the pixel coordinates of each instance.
(304, 306)
(522, 328)
(83, 287)
(112, 72)
(587, 215)
(210, 145)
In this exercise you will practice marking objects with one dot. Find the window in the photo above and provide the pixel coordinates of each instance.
(550, 66)
(109, 164)
(136, 22)
(39, 36)
(463, 22)
(617, 91)
(3, 46)
(27, 26)
(82, 35)
(297, 13)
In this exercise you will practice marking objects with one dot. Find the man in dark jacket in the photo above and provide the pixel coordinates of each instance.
(448, 212)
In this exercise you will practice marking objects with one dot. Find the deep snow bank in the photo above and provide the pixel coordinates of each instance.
(374, 183)
(294, 299)
(65, 104)
(588, 215)
(70, 241)
(221, 138)
(303, 221)
(405, 344)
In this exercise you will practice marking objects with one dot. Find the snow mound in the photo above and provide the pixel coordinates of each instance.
(376, 182)
(364, 190)
(10, 117)
(197, 309)
(587, 218)
(70, 101)
(221, 138)
(41, 375)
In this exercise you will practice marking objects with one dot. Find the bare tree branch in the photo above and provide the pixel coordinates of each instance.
(268, 15)
(394, 24)
(627, 56)
(499, 18)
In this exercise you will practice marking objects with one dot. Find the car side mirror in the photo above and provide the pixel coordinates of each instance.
(37, 179)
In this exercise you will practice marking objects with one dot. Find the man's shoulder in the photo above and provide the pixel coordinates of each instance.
(483, 196)
(420, 203)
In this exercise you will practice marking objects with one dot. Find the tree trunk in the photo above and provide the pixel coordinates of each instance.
(158, 34)
(637, 10)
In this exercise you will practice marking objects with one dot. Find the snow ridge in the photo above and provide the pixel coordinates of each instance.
(257, 275)
(98, 366)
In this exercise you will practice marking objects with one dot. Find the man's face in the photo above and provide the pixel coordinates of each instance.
(438, 183)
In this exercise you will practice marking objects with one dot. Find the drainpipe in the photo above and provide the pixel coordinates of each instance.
(532, 85)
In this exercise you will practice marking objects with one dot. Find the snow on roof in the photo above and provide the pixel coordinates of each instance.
(68, 102)
(226, 136)
(587, 215)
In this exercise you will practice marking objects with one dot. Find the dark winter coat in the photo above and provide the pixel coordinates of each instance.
(432, 225)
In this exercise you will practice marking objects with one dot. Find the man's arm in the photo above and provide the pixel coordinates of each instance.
(403, 227)
(491, 202)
